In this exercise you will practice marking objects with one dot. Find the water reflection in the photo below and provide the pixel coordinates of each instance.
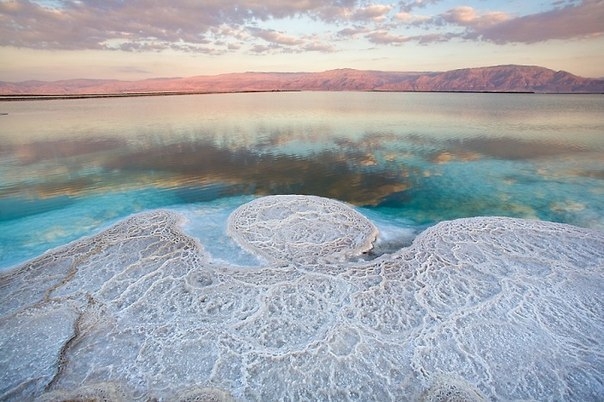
(513, 148)
(420, 157)
(88, 166)
(374, 169)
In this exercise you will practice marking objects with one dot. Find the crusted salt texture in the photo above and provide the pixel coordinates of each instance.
(102, 392)
(493, 308)
(451, 389)
(302, 229)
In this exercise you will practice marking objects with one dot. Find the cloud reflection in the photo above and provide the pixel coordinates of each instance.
(327, 173)
(375, 169)
(192, 170)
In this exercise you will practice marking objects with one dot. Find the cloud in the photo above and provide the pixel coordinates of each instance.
(317, 46)
(218, 26)
(145, 24)
(467, 16)
(569, 20)
(275, 37)
(383, 37)
(281, 42)
(410, 19)
(408, 5)
(353, 32)
(375, 12)
(261, 49)
(572, 21)
(433, 38)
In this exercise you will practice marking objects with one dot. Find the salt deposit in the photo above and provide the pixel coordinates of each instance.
(301, 229)
(481, 308)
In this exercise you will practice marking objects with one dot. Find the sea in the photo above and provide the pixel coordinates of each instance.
(70, 168)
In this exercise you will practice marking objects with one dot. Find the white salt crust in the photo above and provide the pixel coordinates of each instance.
(301, 229)
(474, 309)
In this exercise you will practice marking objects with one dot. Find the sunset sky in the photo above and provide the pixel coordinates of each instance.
(137, 39)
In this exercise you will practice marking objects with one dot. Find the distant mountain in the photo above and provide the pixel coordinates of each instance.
(508, 78)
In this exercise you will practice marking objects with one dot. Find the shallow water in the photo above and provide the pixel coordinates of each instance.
(71, 167)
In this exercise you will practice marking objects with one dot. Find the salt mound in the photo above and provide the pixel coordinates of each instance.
(480, 308)
(301, 229)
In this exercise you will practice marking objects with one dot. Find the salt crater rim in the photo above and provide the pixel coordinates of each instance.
(301, 229)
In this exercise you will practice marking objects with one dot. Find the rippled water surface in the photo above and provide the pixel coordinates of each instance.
(71, 167)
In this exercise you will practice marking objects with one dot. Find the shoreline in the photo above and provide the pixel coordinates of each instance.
(231, 328)
(34, 97)
(27, 97)
(380, 246)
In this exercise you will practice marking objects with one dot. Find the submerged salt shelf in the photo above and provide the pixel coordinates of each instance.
(474, 309)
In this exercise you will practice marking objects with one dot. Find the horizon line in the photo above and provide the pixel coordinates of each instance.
(301, 72)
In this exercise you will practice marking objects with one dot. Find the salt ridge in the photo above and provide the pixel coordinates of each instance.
(478, 308)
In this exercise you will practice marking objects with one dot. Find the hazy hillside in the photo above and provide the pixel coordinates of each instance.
(509, 78)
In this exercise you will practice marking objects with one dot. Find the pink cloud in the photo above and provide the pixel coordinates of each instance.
(353, 32)
(583, 20)
(276, 37)
(317, 46)
(467, 16)
(375, 12)
(408, 18)
(383, 37)
(140, 24)
(567, 21)
(216, 26)
(281, 42)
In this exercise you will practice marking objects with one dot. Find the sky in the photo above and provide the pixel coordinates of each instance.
(138, 39)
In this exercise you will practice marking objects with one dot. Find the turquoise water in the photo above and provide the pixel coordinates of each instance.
(69, 168)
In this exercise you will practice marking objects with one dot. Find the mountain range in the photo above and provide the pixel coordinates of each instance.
(505, 78)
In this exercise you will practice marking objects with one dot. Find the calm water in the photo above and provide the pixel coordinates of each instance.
(71, 167)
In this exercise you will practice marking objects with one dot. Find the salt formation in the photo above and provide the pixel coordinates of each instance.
(302, 229)
(481, 308)
(450, 389)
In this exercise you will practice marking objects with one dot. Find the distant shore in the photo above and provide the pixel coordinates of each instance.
(27, 97)
(30, 97)
(494, 79)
